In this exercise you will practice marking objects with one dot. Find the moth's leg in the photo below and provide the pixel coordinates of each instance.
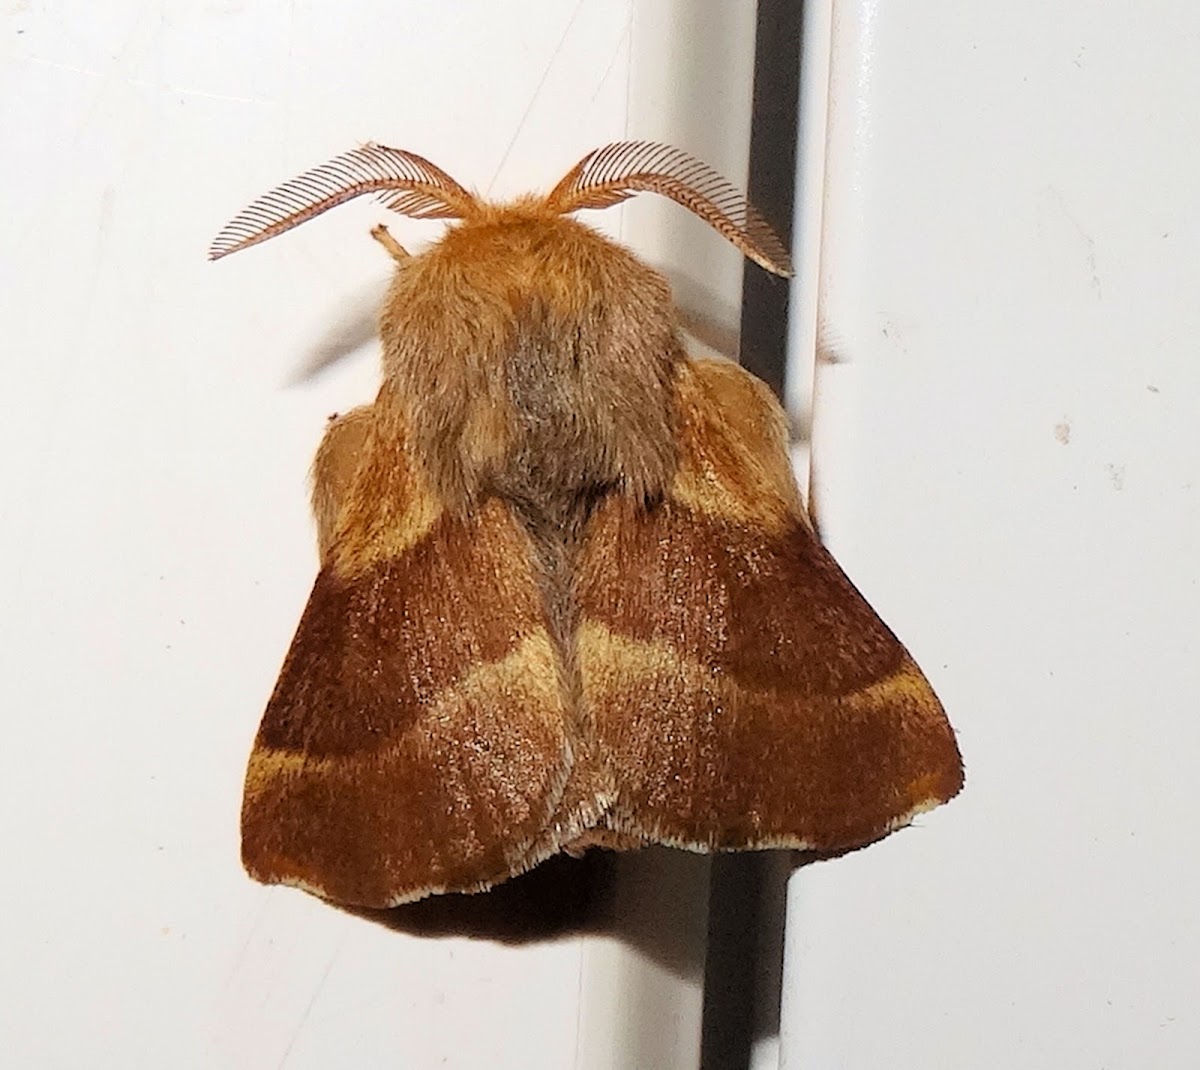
(394, 249)
(334, 467)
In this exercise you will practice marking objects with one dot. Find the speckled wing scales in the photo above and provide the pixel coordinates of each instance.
(415, 739)
(741, 691)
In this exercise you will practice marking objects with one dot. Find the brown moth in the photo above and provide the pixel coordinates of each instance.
(569, 593)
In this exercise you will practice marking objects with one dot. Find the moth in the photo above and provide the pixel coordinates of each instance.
(569, 593)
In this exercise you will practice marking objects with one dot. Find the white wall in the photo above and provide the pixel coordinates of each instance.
(162, 413)
(1007, 460)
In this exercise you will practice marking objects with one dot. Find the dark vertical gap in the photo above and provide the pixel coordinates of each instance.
(772, 184)
(743, 969)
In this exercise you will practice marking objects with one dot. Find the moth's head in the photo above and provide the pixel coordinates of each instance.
(411, 185)
(524, 264)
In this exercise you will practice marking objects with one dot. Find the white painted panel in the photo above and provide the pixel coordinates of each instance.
(1007, 461)
(162, 413)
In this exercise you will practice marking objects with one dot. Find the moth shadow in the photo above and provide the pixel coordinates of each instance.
(712, 322)
(654, 900)
(354, 325)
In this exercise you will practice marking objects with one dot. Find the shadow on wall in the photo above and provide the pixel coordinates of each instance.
(654, 900)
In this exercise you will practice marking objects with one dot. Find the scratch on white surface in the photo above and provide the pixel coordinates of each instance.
(1064, 233)
(209, 95)
(238, 959)
(623, 42)
(623, 217)
(308, 1009)
(1116, 475)
(144, 83)
(136, 42)
(579, 1005)
(71, 68)
(537, 92)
